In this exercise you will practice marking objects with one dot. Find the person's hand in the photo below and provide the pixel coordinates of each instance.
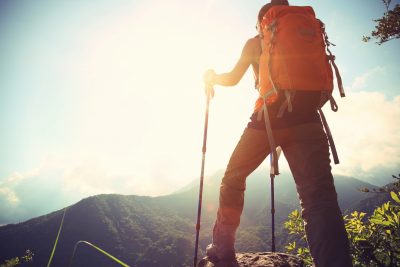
(209, 81)
(209, 91)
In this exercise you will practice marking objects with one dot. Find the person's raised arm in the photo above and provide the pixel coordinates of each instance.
(235, 75)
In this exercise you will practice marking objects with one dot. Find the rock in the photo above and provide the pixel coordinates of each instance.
(257, 259)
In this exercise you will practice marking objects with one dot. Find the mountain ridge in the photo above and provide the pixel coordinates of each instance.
(157, 231)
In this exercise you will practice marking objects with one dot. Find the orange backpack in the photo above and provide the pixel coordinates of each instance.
(294, 56)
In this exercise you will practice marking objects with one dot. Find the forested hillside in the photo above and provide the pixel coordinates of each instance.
(157, 231)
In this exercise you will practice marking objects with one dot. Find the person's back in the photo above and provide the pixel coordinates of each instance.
(304, 143)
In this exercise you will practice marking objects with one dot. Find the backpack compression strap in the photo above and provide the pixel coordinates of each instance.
(271, 139)
(287, 104)
(329, 136)
(331, 59)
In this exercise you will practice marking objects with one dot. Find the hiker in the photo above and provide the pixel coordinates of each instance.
(301, 136)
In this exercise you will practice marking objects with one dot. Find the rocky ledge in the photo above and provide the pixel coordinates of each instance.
(258, 259)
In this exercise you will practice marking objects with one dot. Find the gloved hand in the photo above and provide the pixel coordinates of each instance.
(209, 82)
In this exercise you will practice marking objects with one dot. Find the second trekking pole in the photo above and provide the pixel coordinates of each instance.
(272, 176)
(201, 182)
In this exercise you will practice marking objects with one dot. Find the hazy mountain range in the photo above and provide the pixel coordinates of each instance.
(160, 231)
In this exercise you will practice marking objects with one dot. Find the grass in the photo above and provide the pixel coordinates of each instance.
(76, 246)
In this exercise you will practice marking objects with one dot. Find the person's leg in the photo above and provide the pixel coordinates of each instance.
(307, 152)
(249, 153)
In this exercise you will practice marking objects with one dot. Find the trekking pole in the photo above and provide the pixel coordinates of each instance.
(201, 181)
(272, 176)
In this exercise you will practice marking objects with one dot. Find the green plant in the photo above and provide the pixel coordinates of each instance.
(99, 250)
(295, 226)
(28, 257)
(387, 27)
(374, 241)
(57, 237)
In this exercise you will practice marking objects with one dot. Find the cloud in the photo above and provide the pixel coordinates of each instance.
(24, 194)
(7, 195)
(88, 179)
(366, 131)
(362, 81)
(60, 181)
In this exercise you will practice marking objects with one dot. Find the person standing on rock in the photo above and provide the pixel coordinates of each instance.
(304, 142)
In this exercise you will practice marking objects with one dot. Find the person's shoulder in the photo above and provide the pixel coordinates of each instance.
(254, 40)
(253, 44)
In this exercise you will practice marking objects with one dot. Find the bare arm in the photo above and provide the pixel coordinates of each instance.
(250, 56)
(235, 75)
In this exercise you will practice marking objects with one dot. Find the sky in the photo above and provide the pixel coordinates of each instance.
(106, 96)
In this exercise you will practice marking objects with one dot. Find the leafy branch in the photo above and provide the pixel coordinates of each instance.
(374, 240)
(387, 27)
